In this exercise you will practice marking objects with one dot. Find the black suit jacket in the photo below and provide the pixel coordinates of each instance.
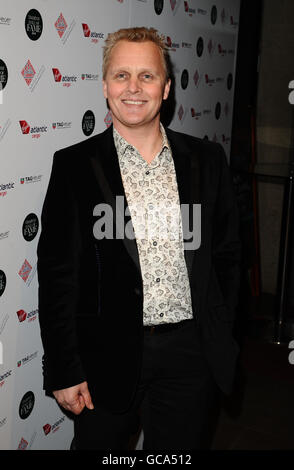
(90, 291)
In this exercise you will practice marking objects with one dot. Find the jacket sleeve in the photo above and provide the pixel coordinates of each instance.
(59, 251)
(226, 243)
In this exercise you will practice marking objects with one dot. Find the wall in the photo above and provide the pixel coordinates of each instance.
(50, 71)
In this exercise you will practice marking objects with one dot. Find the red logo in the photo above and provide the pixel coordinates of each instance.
(86, 30)
(25, 128)
(181, 112)
(23, 444)
(57, 75)
(60, 25)
(108, 119)
(168, 41)
(22, 315)
(186, 6)
(47, 429)
(28, 72)
(173, 4)
(25, 270)
(196, 78)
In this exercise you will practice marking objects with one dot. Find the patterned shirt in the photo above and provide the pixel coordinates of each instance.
(152, 196)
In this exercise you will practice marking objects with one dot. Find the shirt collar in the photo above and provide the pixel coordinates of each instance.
(121, 144)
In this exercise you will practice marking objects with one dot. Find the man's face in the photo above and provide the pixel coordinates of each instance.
(135, 84)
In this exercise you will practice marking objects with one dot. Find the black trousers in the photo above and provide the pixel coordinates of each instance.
(176, 400)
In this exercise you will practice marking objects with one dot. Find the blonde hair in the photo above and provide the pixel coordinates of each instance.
(137, 34)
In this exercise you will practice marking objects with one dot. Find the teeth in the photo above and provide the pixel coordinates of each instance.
(133, 102)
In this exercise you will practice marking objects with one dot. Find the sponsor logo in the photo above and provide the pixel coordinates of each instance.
(3, 76)
(26, 405)
(186, 45)
(175, 5)
(223, 16)
(5, 187)
(25, 270)
(88, 123)
(181, 113)
(201, 11)
(173, 46)
(211, 47)
(61, 125)
(197, 78)
(30, 227)
(199, 46)
(90, 76)
(63, 29)
(23, 444)
(108, 119)
(184, 79)
(158, 6)
(25, 360)
(31, 316)
(5, 21)
(93, 35)
(33, 24)
(66, 80)
(233, 23)
(28, 72)
(30, 76)
(213, 14)
(47, 428)
(35, 131)
(61, 25)
(195, 114)
(30, 179)
(210, 81)
(3, 377)
(190, 11)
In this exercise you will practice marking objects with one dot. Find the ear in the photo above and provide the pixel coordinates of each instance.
(166, 89)
(104, 88)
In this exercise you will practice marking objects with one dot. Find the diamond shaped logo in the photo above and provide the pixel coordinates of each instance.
(23, 444)
(28, 72)
(25, 270)
(60, 25)
(196, 77)
(181, 112)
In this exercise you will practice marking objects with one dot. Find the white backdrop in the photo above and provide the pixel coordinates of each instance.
(50, 72)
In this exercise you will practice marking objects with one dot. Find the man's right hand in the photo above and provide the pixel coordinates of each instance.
(74, 398)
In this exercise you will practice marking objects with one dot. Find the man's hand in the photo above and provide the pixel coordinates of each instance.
(75, 398)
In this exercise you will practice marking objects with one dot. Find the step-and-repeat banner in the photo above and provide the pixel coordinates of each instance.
(51, 97)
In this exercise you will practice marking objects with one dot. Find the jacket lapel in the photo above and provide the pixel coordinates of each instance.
(107, 171)
(187, 167)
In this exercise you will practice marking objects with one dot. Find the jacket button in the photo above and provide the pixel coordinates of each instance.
(137, 291)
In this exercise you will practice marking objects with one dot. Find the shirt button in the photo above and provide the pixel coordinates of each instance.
(161, 314)
(154, 243)
(158, 279)
(147, 172)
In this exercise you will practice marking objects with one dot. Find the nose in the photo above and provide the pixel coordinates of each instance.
(134, 85)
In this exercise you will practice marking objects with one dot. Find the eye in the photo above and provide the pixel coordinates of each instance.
(147, 76)
(120, 75)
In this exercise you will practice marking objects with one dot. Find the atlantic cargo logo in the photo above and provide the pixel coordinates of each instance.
(4, 376)
(22, 315)
(190, 11)
(66, 80)
(93, 35)
(61, 25)
(47, 428)
(28, 72)
(36, 131)
(5, 187)
(173, 46)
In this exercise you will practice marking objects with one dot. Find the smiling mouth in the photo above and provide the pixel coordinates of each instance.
(137, 102)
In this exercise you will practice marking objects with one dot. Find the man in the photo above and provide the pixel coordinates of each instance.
(139, 321)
